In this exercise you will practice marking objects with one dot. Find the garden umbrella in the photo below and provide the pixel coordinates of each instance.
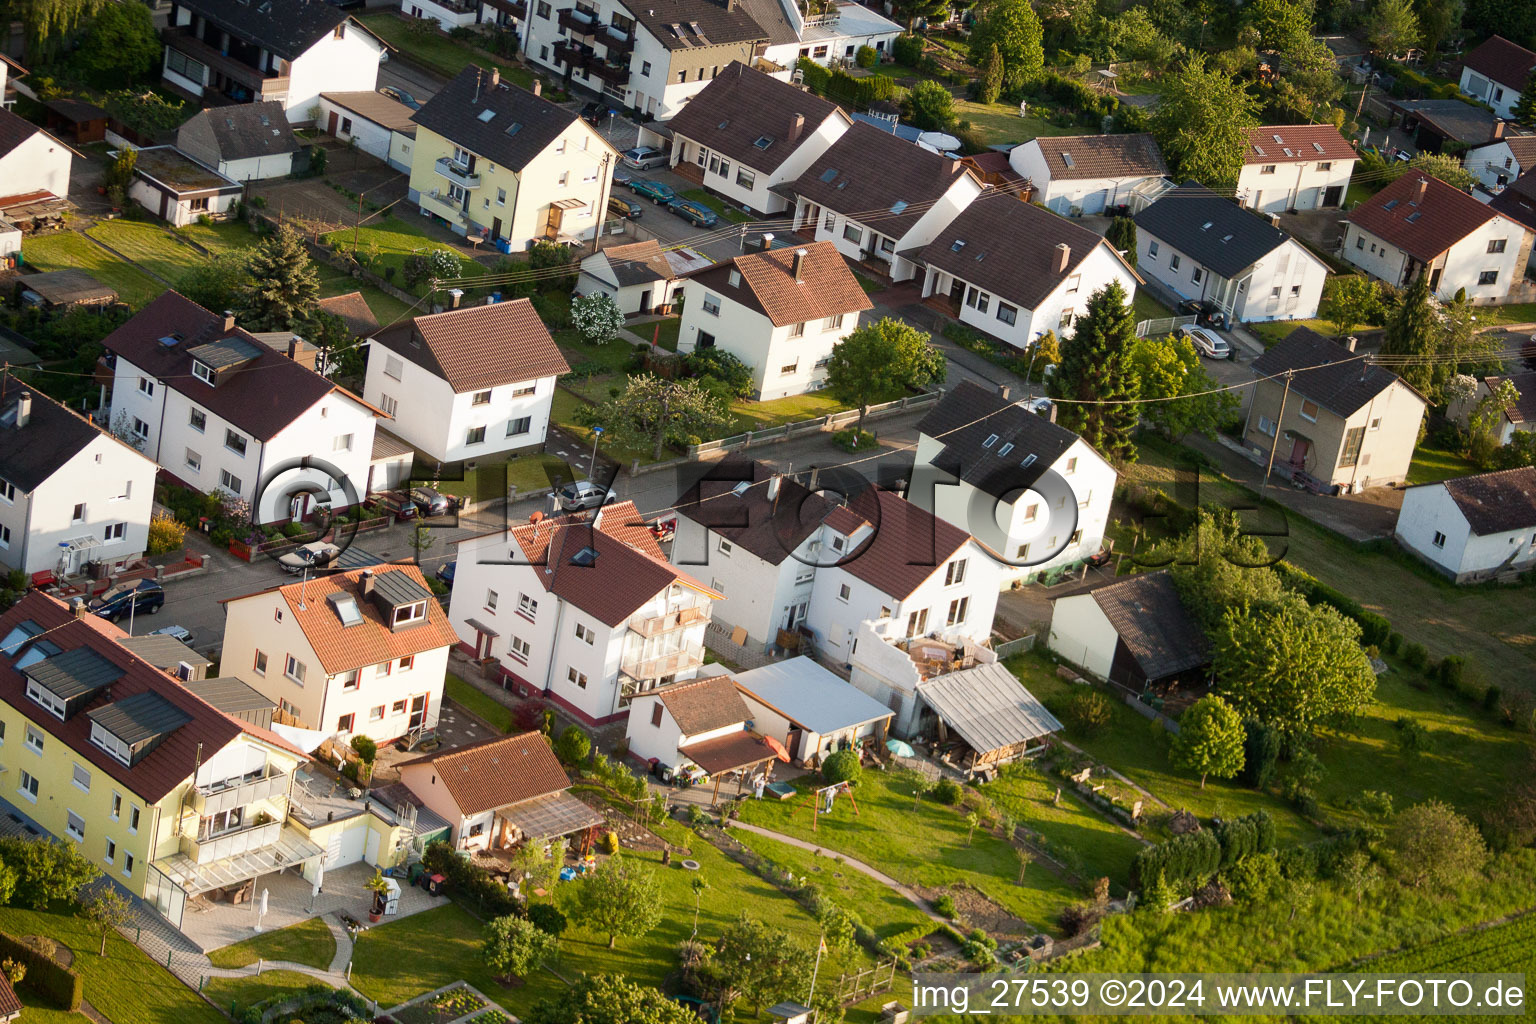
(777, 747)
(900, 749)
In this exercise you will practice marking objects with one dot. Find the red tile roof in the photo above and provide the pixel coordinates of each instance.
(479, 346)
(907, 547)
(1296, 143)
(825, 287)
(1421, 215)
(1507, 63)
(703, 705)
(10, 1005)
(497, 773)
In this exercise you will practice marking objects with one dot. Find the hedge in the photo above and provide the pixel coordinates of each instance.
(1195, 855)
(465, 878)
(350, 1004)
(1244, 837)
(841, 87)
(47, 977)
(1374, 629)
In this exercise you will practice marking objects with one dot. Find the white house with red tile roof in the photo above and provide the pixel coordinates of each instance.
(470, 383)
(1502, 161)
(31, 160)
(1295, 167)
(1496, 72)
(360, 653)
(665, 722)
(582, 608)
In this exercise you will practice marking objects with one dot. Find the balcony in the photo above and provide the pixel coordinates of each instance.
(577, 23)
(680, 618)
(262, 85)
(440, 204)
(225, 797)
(583, 59)
(618, 45)
(231, 844)
(643, 666)
(456, 172)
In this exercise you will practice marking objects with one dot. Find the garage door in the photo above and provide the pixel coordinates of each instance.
(346, 847)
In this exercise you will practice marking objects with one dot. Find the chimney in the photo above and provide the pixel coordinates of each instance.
(77, 605)
(23, 409)
(730, 5)
(295, 346)
(799, 265)
(767, 241)
(1423, 188)
(536, 517)
(1063, 257)
(538, 87)
(1051, 413)
(495, 77)
(229, 320)
(1350, 342)
(367, 582)
(1274, 220)
(1498, 130)
(796, 126)
(455, 296)
(1003, 390)
(815, 473)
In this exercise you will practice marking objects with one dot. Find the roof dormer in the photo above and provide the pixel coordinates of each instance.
(134, 726)
(400, 600)
(219, 360)
(66, 682)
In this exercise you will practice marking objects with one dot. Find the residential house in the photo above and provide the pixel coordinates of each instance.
(1496, 72)
(451, 14)
(161, 792)
(1033, 494)
(384, 828)
(747, 132)
(1333, 421)
(780, 311)
(1497, 164)
(1295, 167)
(1134, 631)
(876, 197)
(1517, 203)
(1473, 528)
(1436, 126)
(245, 142)
(289, 52)
(1015, 271)
(638, 276)
(469, 383)
(1420, 225)
(583, 609)
(218, 411)
(652, 57)
(505, 165)
(376, 124)
(178, 189)
(665, 724)
(887, 561)
(359, 653)
(31, 160)
(71, 494)
(1078, 175)
(759, 534)
(810, 711)
(1201, 246)
(1521, 417)
(499, 792)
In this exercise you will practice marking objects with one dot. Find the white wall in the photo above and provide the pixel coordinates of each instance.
(1294, 185)
(751, 337)
(374, 139)
(179, 213)
(1502, 98)
(686, 150)
(1460, 266)
(1092, 195)
(1429, 511)
(446, 19)
(1082, 634)
(758, 594)
(38, 164)
(1488, 163)
(938, 216)
(348, 64)
(257, 167)
(647, 740)
(1297, 273)
(588, 163)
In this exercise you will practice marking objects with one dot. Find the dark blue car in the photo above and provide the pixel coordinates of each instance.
(141, 597)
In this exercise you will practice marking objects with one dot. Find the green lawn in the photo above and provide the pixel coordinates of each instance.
(489, 478)
(537, 473)
(1000, 123)
(663, 332)
(125, 985)
(1514, 313)
(481, 705)
(66, 249)
(220, 237)
(714, 202)
(1271, 331)
(746, 415)
(1431, 465)
(925, 846)
(234, 993)
(309, 943)
(152, 246)
(38, 1010)
(869, 284)
(1089, 843)
(395, 239)
(1146, 307)
(386, 308)
(437, 51)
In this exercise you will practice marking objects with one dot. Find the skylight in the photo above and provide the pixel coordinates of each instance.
(1005, 449)
(829, 174)
(1066, 158)
(1414, 216)
(171, 340)
(40, 651)
(19, 634)
(1317, 146)
(1391, 204)
(514, 128)
(740, 488)
(585, 557)
(1029, 460)
(1288, 151)
(346, 607)
(1206, 226)
(487, 114)
(1259, 149)
(990, 441)
(959, 244)
(723, 124)
(763, 141)
(898, 206)
(1278, 140)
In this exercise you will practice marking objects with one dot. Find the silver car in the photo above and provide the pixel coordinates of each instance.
(314, 555)
(643, 158)
(1208, 343)
(584, 494)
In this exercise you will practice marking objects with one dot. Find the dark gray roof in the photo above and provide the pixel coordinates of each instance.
(74, 673)
(870, 174)
(139, 718)
(1154, 624)
(1325, 371)
(1496, 502)
(1453, 119)
(1215, 231)
(396, 588)
(749, 518)
(751, 117)
(237, 132)
(53, 435)
(286, 27)
(163, 651)
(698, 23)
(519, 127)
(225, 352)
(230, 695)
(968, 415)
(770, 16)
(68, 286)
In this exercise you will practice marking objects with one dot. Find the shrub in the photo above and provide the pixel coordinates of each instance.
(547, 918)
(44, 975)
(574, 746)
(465, 877)
(1450, 671)
(842, 766)
(1416, 656)
(610, 843)
(867, 57)
(1491, 697)
(1192, 857)
(1077, 918)
(947, 791)
(1088, 713)
(1412, 737)
(1261, 752)
(907, 49)
(944, 906)
(1253, 879)
(854, 440)
(366, 748)
(165, 533)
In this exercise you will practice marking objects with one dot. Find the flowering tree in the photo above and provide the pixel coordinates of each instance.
(597, 317)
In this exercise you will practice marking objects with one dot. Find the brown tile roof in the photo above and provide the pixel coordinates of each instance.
(621, 520)
(1102, 156)
(729, 752)
(704, 705)
(1496, 502)
(1296, 143)
(1518, 200)
(1326, 372)
(169, 764)
(845, 520)
(1525, 383)
(1523, 149)
(826, 287)
(370, 642)
(478, 346)
(262, 397)
(354, 312)
(1421, 215)
(770, 528)
(1507, 63)
(497, 773)
(868, 172)
(10, 1005)
(907, 547)
(376, 107)
(751, 117)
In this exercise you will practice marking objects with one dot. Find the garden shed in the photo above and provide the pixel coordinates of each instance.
(1134, 631)
(989, 711)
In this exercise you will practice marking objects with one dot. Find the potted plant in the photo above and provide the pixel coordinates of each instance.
(380, 889)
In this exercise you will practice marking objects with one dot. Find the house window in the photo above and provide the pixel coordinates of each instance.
(348, 680)
(294, 670)
(39, 695)
(1376, 423)
(77, 515)
(407, 614)
(1007, 314)
(406, 663)
(579, 678)
(376, 714)
(797, 330)
(1326, 165)
(1439, 542)
(133, 826)
(1496, 244)
(1267, 169)
(520, 425)
(1152, 248)
(197, 420)
(843, 592)
(490, 600)
(1309, 410)
(5, 536)
(342, 443)
(832, 322)
(527, 606)
(501, 197)
(127, 865)
(28, 786)
(393, 367)
(1174, 261)
(346, 126)
(389, 405)
(1198, 274)
(1488, 277)
(230, 482)
(954, 572)
(656, 714)
(541, 9)
(260, 664)
(957, 610)
(235, 442)
(117, 806)
(111, 852)
(829, 221)
(397, 708)
(202, 372)
(711, 304)
(1360, 242)
(725, 547)
(82, 779)
(745, 178)
(1076, 538)
(584, 633)
(34, 735)
(1349, 454)
(115, 531)
(345, 723)
(1031, 512)
(917, 623)
(146, 387)
(977, 299)
(474, 435)
(1067, 316)
(140, 429)
(785, 371)
(1023, 551)
(1072, 465)
(853, 233)
(645, 68)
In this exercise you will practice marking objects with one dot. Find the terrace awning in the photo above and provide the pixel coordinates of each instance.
(550, 816)
(291, 848)
(734, 752)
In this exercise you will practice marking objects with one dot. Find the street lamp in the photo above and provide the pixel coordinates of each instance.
(597, 432)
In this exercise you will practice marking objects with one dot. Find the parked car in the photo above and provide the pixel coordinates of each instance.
(1208, 343)
(628, 209)
(594, 112)
(1204, 312)
(137, 596)
(428, 502)
(445, 572)
(657, 192)
(697, 214)
(398, 505)
(400, 96)
(584, 494)
(621, 176)
(314, 555)
(181, 633)
(1101, 557)
(643, 158)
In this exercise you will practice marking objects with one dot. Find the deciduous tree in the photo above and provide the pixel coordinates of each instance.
(1210, 739)
(1350, 301)
(597, 316)
(622, 897)
(656, 412)
(1201, 120)
(764, 965)
(1178, 396)
(1215, 567)
(1433, 845)
(218, 282)
(609, 999)
(46, 870)
(283, 286)
(1281, 24)
(930, 106)
(1392, 28)
(513, 946)
(1443, 166)
(1096, 379)
(120, 47)
(105, 911)
(880, 360)
(1013, 27)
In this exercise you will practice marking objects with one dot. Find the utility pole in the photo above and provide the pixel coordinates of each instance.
(1274, 442)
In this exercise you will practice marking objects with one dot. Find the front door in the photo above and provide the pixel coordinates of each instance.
(330, 126)
(1299, 449)
(957, 292)
(1332, 195)
(552, 225)
(418, 711)
(495, 229)
(1434, 281)
(645, 301)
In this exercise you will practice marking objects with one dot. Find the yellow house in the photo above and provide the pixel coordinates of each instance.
(503, 164)
(165, 793)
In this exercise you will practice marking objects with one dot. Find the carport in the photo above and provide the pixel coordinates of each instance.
(738, 753)
(988, 709)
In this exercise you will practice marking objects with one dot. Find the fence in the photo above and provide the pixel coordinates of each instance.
(830, 422)
(1162, 325)
(1009, 648)
(859, 986)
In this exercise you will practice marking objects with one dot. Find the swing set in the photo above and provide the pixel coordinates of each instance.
(826, 794)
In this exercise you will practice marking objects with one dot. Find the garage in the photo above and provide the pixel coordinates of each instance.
(346, 844)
